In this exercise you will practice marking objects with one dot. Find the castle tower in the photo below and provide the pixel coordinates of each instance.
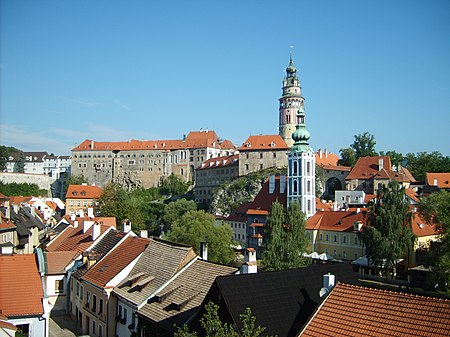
(302, 169)
(290, 102)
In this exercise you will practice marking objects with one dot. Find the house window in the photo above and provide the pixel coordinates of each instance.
(321, 237)
(131, 162)
(81, 292)
(246, 167)
(119, 313)
(274, 154)
(356, 240)
(59, 286)
(326, 237)
(88, 298)
(78, 289)
(71, 203)
(94, 302)
(261, 156)
(100, 331)
(100, 307)
(335, 238)
(23, 330)
(125, 314)
(344, 239)
(93, 327)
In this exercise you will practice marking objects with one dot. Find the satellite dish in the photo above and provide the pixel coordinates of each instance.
(323, 291)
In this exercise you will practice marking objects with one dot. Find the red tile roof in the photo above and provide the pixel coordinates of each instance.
(367, 167)
(336, 167)
(359, 311)
(420, 228)
(74, 238)
(195, 139)
(264, 142)
(219, 162)
(113, 263)
(239, 214)
(338, 221)
(264, 200)
(443, 179)
(83, 192)
(21, 290)
(19, 200)
(6, 224)
(412, 194)
(323, 158)
(58, 261)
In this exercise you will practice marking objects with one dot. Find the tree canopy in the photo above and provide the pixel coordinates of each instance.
(362, 146)
(197, 226)
(5, 152)
(24, 189)
(174, 185)
(214, 327)
(388, 236)
(285, 238)
(435, 208)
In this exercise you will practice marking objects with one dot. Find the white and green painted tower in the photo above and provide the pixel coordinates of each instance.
(302, 168)
(290, 102)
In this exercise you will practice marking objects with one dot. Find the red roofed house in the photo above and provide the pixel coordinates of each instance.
(91, 304)
(261, 152)
(145, 162)
(81, 199)
(440, 180)
(22, 299)
(213, 173)
(336, 233)
(359, 311)
(370, 172)
(332, 176)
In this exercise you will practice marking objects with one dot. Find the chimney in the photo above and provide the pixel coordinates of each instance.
(72, 217)
(435, 182)
(126, 226)
(81, 213)
(380, 164)
(329, 281)
(95, 231)
(75, 224)
(204, 250)
(86, 225)
(144, 233)
(326, 153)
(8, 212)
(92, 144)
(358, 210)
(320, 153)
(90, 212)
(357, 226)
(250, 265)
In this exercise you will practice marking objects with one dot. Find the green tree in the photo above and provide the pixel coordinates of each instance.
(24, 189)
(364, 145)
(348, 157)
(421, 163)
(435, 208)
(197, 226)
(285, 238)
(19, 166)
(397, 159)
(75, 180)
(174, 185)
(214, 327)
(388, 236)
(175, 210)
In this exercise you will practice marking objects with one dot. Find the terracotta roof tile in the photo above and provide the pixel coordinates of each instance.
(58, 261)
(219, 162)
(83, 192)
(359, 311)
(324, 158)
(443, 179)
(420, 228)
(339, 221)
(21, 290)
(113, 263)
(367, 167)
(239, 214)
(410, 193)
(264, 142)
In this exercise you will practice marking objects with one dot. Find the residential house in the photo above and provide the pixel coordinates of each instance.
(281, 301)
(92, 306)
(22, 299)
(436, 181)
(82, 199)
(262, 152)
(238, 223)
(351, 310)
(213, 173)
(371, 172)
(146, 162)
(336, 233)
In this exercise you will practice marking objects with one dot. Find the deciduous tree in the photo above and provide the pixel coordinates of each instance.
(388, 236)
(364, 145)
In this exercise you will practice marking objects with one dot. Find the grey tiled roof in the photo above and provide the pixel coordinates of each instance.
(159, 262)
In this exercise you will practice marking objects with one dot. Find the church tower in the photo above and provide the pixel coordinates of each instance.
(302, 169)
(290, 102)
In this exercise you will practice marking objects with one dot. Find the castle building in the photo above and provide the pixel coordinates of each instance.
(290, 102)
(301, 169)
(144, 163)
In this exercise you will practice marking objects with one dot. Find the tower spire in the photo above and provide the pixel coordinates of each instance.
(301, 135)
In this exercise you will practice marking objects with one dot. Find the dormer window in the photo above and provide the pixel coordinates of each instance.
(74, 193)
(83, 193)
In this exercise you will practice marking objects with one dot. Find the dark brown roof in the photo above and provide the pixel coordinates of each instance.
(359, 311)
(181, 299)
(161, 260)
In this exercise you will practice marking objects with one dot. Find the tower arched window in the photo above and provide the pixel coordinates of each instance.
(308, 167)
(308, 186)
(295, 188)
(309, 205)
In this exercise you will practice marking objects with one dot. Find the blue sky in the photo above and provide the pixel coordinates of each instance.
(115, 70)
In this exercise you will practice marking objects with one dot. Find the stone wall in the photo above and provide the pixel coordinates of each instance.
(43, 181)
